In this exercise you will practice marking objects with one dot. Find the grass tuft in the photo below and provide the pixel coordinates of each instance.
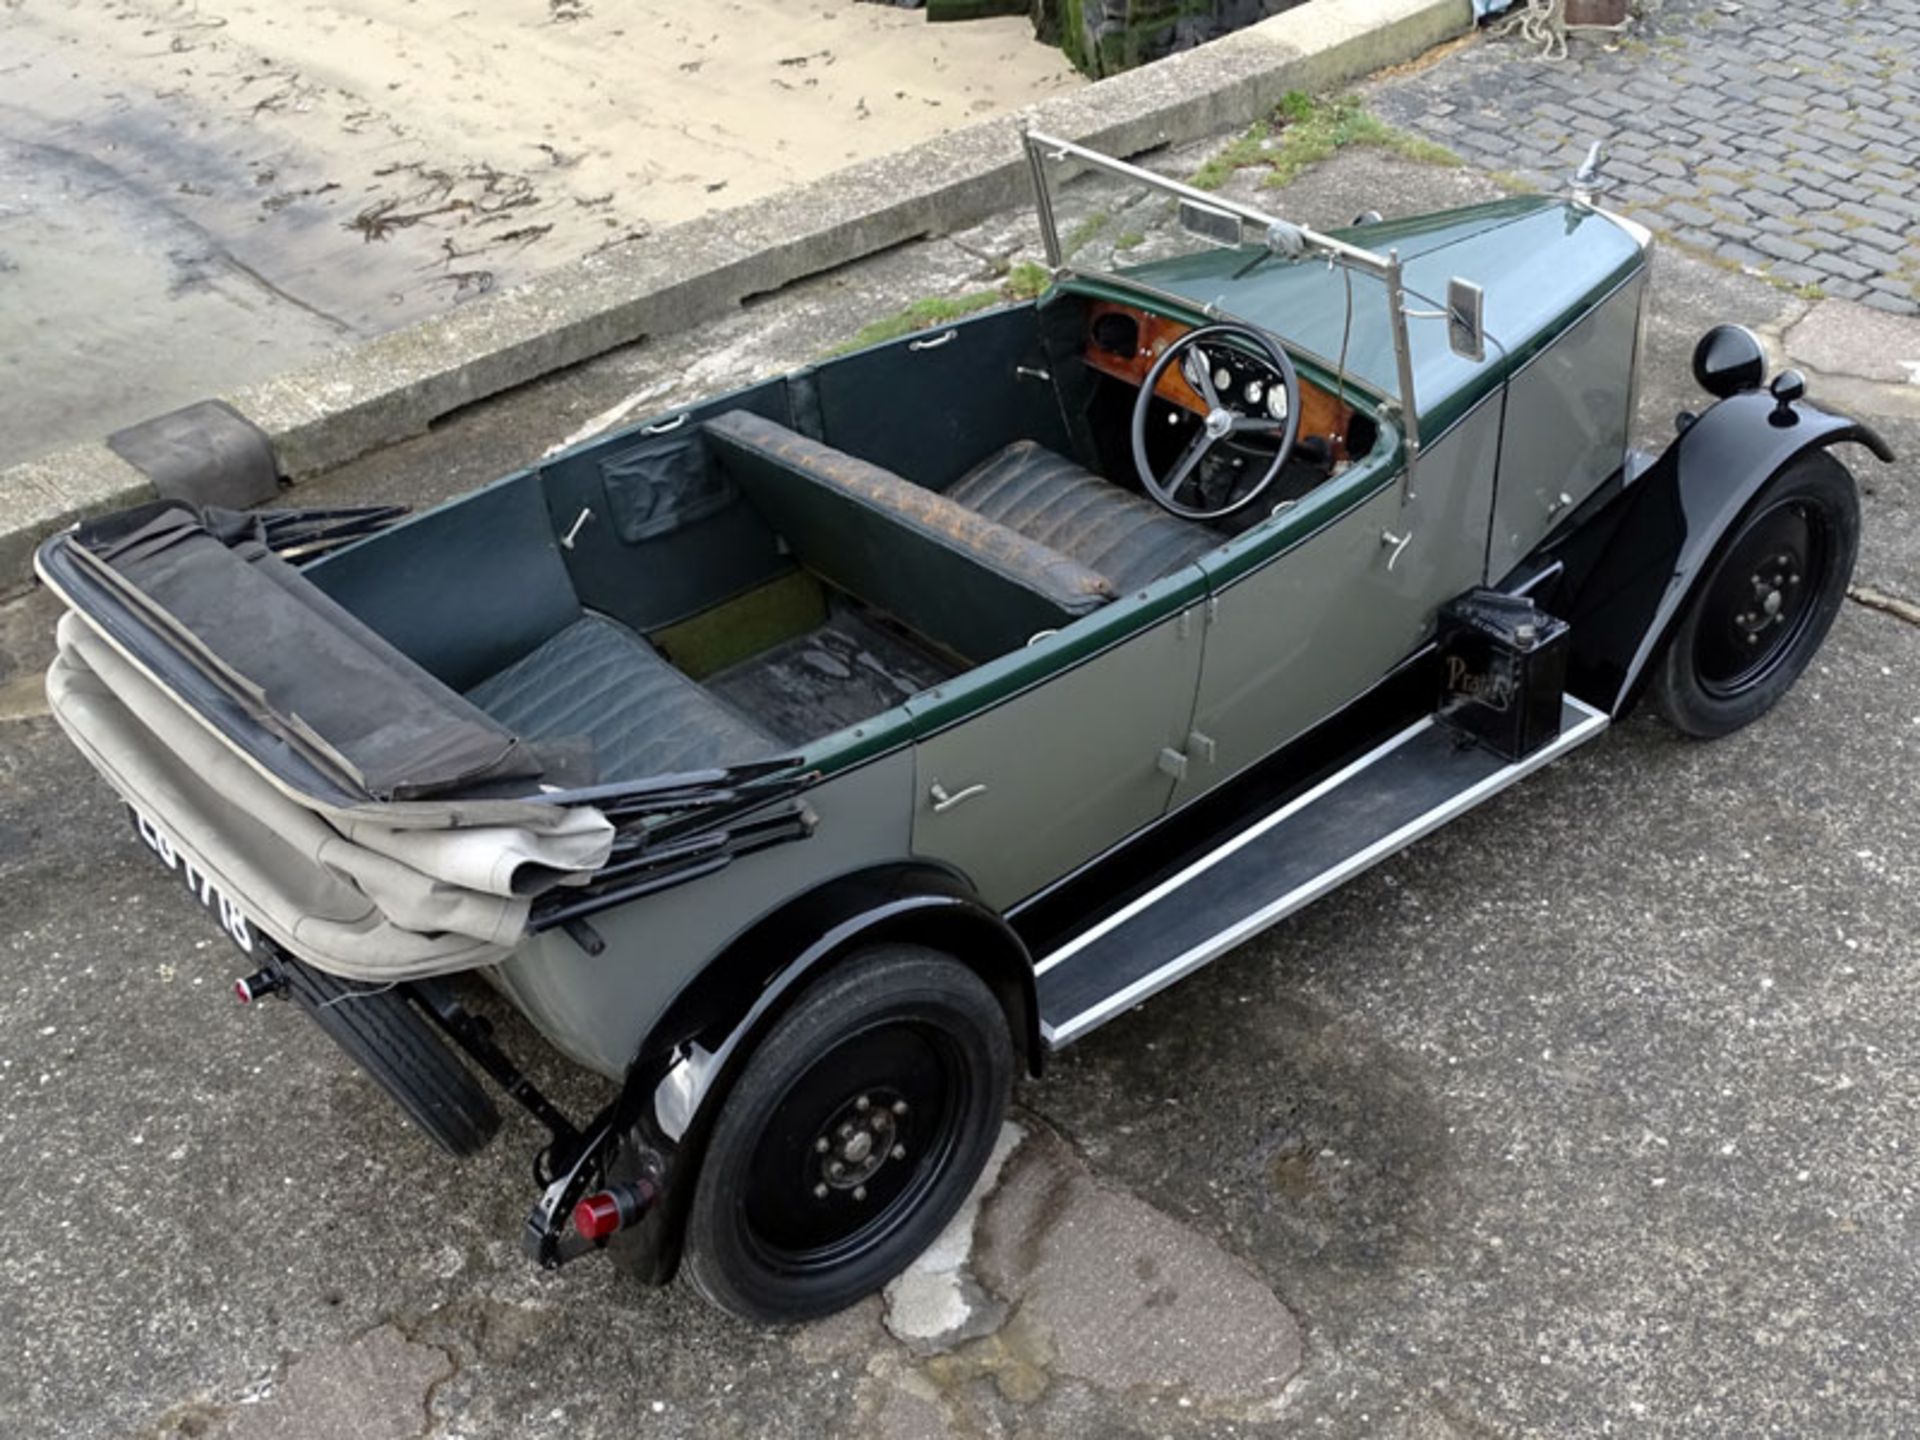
(1023, 281)
(1026, 281)
(1307, 130)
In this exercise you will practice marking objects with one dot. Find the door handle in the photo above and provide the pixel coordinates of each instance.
(1397, 542)
(942, 801)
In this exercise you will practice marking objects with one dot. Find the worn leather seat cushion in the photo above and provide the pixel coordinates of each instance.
(1050, 499)
(598, 680)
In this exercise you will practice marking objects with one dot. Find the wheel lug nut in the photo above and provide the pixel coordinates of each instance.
(820, 1192)
(859, 1192)
(835, 1168)
(899, 1107)
(822, 1145)
(863, 1104)
(899, 1152)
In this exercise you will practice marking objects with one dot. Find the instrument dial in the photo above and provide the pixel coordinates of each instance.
(1252, 392)
(1277, 401)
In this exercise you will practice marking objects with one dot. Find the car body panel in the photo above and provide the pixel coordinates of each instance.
(1295, 638)
(599, 1008)
(1068, 767)
(1567, 421)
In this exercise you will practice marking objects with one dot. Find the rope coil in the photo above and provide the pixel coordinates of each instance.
(1542, 23)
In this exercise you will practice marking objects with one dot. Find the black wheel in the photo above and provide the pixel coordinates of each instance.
(851, 1138)
(1760, 615)
(397, 1045)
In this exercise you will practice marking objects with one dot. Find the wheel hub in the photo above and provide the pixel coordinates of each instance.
(1773, 584)
(862, 1138)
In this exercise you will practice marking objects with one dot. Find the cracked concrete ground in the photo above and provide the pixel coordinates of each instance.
(1596, 1111)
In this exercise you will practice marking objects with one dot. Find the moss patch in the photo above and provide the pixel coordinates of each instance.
(1023, 281)
(1242, 153)
(932, 310)
(1084, 234)
(1306, 130)
(1026, 281)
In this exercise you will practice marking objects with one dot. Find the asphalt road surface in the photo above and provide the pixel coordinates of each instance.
(1594, 1113)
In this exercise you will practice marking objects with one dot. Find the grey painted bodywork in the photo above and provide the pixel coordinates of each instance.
(1568, 413)
(1068, 767)
(597, 1008)
(1075, 763)
(1291, 642)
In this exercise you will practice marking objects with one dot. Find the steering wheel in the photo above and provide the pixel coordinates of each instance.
(1221, 420)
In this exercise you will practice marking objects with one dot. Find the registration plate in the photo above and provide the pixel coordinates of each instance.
(217, 903)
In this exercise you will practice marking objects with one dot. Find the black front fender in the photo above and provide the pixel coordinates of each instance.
(1629, 568)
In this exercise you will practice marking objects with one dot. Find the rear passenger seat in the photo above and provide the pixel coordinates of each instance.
(598, 680)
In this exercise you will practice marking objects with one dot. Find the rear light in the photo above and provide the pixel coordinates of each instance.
(606, 1211)
(258, 985)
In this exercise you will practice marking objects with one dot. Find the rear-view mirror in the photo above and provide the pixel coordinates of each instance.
(1206, 222)
(1466, 305)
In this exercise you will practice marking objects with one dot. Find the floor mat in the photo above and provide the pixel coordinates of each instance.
(847, 671)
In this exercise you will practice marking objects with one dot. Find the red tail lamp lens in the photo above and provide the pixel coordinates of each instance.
(597, 1216)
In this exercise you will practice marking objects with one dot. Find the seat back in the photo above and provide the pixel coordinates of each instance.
(958, 578)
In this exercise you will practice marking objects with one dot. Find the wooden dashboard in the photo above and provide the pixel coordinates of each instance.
(1321, 414)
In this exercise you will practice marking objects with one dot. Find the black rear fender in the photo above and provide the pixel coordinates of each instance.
(686, 1065)
(1629, 569)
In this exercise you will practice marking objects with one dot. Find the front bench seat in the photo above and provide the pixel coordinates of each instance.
(1053, 500)
(968, 583)
(599, 681)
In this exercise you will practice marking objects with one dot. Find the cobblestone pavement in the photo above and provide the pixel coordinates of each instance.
(1781, 137)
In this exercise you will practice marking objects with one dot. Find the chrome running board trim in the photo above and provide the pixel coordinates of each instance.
(1580, 723)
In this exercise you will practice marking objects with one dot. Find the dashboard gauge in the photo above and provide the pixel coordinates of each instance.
(1252, 392)
(1223, 381)
(1277, 401)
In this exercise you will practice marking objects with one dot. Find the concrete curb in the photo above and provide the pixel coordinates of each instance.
(396, 385)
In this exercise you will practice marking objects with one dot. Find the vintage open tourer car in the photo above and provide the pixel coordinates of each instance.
(809, 759)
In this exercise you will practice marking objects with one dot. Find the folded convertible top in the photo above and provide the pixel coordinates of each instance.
(288, 656)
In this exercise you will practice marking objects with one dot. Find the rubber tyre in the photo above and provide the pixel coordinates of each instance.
(884, 991)
(1678, 688)
(398, 1046)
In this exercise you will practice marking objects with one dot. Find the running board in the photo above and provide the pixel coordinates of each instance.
(1384, 801)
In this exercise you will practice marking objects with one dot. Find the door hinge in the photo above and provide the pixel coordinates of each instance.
(1172, 762)
(1201, 747)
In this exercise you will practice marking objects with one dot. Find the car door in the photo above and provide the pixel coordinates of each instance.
(1031, 765)
(1310, 610)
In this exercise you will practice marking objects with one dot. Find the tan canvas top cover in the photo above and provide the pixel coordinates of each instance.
(371, 890)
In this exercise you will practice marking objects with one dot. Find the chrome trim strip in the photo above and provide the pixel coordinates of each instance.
(1591, 723)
